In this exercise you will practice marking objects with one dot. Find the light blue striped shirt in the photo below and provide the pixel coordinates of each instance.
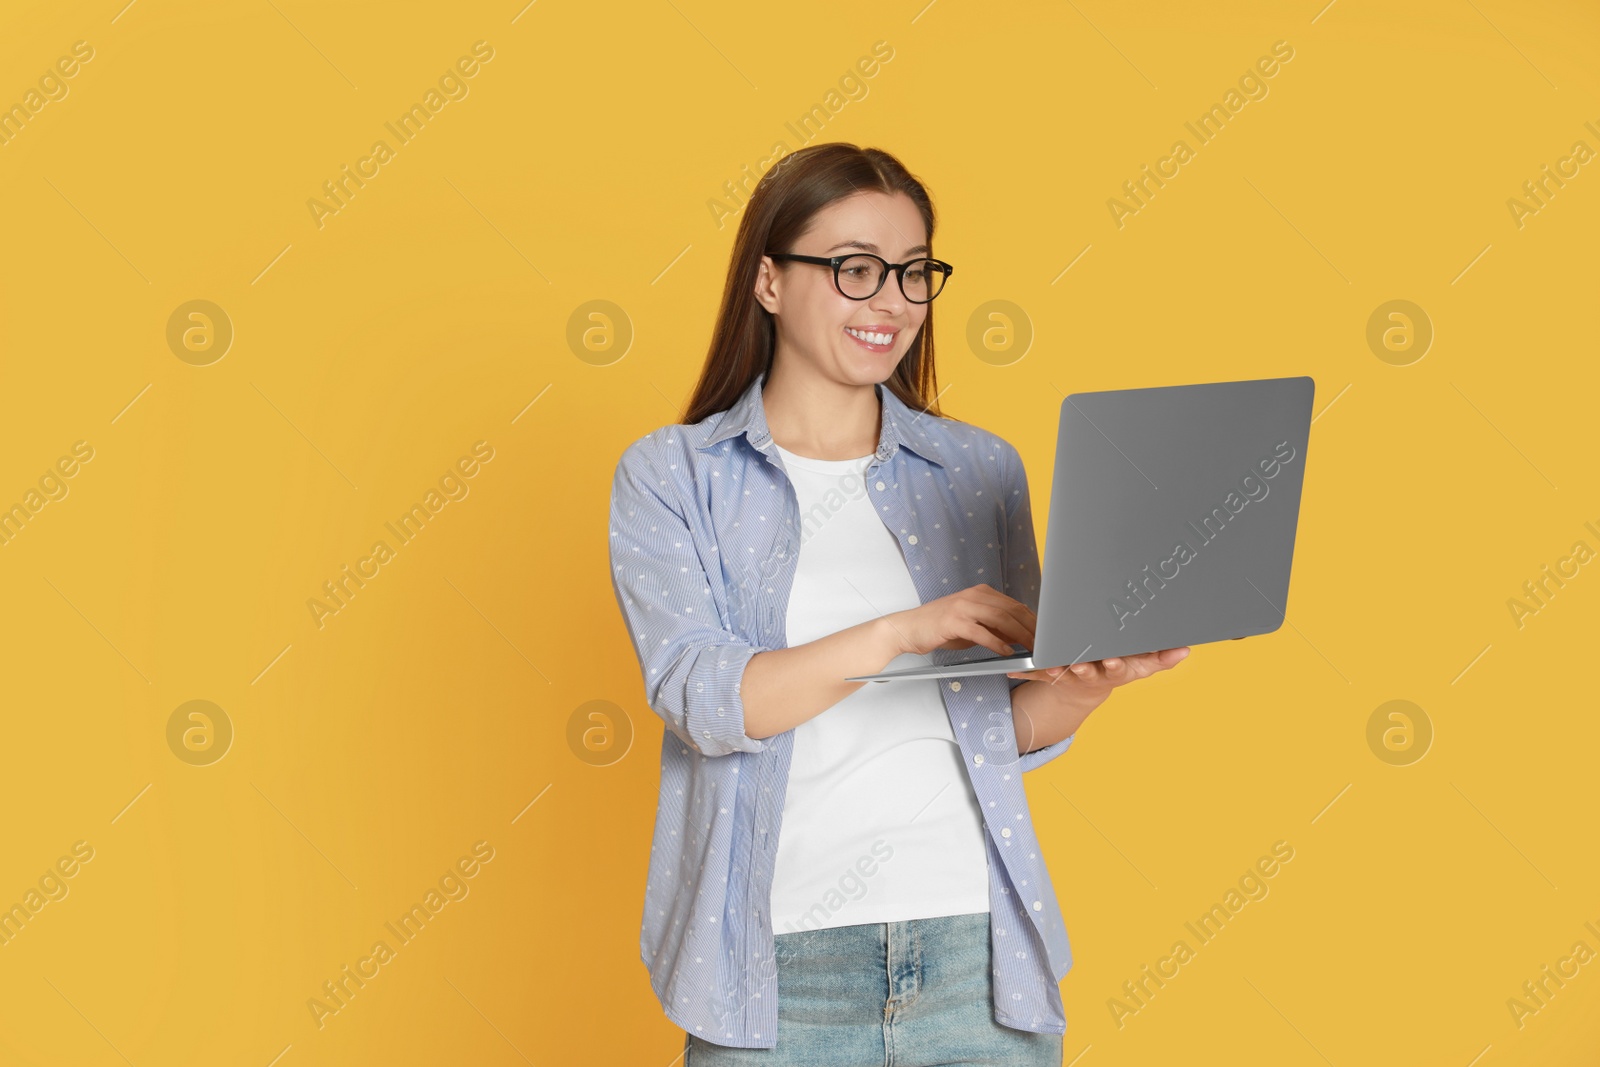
(705, 535)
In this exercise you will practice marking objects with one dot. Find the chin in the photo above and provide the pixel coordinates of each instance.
(873, 371)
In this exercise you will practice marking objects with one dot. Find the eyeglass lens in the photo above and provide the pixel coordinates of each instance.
(861, 276)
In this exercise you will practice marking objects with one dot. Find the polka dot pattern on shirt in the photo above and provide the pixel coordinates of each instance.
(703, 552)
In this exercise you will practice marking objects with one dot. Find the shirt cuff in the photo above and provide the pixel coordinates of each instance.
(1040, 756)
(714, 707)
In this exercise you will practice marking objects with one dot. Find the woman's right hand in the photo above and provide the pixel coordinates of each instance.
(977, 615)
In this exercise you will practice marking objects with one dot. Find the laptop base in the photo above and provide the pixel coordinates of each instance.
(997, 665)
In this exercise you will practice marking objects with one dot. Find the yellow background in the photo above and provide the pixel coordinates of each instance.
(432, 310)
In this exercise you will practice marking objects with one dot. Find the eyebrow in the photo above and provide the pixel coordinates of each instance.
(868, 246)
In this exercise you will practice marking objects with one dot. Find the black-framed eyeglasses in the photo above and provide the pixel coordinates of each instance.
(860, 275)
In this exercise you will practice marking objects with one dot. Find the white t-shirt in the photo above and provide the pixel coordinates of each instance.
(880, 822)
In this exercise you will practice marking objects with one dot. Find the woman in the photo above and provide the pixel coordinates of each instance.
(815, 516)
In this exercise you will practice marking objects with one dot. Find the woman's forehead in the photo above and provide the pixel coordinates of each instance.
(887, 225)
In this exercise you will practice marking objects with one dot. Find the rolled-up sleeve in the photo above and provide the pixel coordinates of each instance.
(1020, 551)
(1029, 761)
(692, 666)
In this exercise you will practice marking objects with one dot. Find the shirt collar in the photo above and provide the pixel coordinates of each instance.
(901, 425)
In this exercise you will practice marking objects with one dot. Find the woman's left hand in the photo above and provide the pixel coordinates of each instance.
(1106, 674)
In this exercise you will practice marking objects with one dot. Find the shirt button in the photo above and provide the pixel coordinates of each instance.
(978, 759)
(880, 485)
(1038, 905)
(955, 687)
(1005, 831)
(912, 539)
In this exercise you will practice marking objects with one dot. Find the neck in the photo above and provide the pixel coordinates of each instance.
(820, 418)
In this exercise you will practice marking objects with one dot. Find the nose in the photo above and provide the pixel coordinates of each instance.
(891, 299)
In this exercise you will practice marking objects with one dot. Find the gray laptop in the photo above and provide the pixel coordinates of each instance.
(1172, 522)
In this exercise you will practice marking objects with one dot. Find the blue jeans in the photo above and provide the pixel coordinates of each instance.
(914, 993)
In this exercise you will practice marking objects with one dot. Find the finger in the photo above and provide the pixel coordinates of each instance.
(1089, 673)
(1005, 625)
(980, 634)
(1027, 624)
(987, 592)
(1115, 670)
(1118, 669)
(1010, 619)
(1025, 614)
(1146, 664)
(1016, 609)
(989, 632)
(1170, 657)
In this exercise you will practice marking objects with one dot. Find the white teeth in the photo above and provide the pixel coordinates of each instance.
(874, 338)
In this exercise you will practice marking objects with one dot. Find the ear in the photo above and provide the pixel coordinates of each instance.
(767, 285)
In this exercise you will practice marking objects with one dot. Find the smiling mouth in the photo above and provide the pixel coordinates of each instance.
(873, 341)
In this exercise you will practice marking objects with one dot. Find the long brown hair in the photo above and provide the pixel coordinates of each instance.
(785, 200)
